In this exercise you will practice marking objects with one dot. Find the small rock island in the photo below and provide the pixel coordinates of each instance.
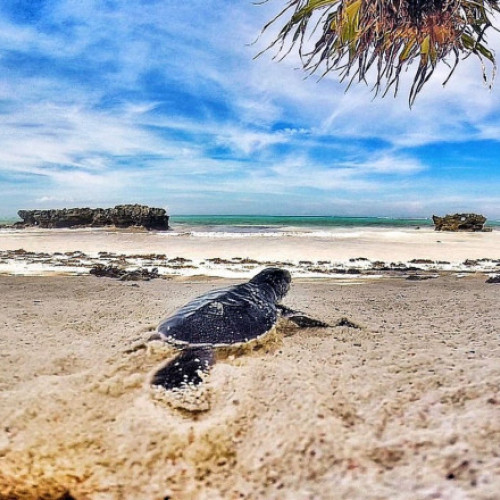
(121, 216)
(460, 222)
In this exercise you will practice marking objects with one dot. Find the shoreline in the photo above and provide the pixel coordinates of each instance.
(347, 252)
(22, 263)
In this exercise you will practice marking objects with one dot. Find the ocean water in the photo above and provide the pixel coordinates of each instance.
(9, 220)
(278, 224)
(266, 223)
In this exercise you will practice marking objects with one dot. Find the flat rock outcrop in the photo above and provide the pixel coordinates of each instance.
(119, 216)
(460, 222)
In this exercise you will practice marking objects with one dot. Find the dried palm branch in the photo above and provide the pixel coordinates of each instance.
(352, 37)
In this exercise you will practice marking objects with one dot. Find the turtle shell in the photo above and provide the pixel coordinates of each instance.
(231, 315)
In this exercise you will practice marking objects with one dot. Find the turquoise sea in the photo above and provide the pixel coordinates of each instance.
(264, 223)
(254, 223)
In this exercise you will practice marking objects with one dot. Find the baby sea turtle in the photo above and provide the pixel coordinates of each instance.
(228, 317)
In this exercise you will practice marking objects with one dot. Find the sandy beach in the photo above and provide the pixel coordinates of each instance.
(404, 403)
(190, 251)
(155, 152)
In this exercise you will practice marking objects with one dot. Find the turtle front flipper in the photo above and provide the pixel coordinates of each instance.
(185, 370)
(303, 321)
(299, 318)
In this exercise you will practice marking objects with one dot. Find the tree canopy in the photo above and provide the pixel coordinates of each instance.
(374, 41)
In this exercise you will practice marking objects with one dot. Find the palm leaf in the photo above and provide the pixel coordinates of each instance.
(350, 36)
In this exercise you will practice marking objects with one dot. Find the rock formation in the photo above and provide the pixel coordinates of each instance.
(119, 216)
(460, 222)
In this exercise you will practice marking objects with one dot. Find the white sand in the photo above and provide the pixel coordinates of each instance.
(406, 407)
(339, 245)
(234, 255)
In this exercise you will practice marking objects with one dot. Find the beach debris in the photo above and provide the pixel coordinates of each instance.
(421, 277)
(100, 270)
(220, 261)
(494, 279)
(460, 222)
(141, 274)
(228, 320)
(470, 262)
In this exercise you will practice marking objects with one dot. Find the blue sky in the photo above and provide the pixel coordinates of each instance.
(162, 102)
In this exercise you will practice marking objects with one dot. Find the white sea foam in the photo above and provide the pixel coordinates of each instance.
(334, 234)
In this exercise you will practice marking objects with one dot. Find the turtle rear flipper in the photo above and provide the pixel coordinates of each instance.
(300, 319)
(186, 369)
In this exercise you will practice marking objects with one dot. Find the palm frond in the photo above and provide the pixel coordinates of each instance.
(378, 39)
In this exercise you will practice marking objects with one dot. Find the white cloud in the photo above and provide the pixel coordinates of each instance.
(54, 199)
(247, 141)
(86, 117)
(386, 163)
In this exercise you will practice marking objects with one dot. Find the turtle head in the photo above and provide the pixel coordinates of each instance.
(278, 279)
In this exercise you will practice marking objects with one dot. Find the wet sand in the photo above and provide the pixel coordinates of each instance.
(407, 406)
(235, 255)
(339, 245)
